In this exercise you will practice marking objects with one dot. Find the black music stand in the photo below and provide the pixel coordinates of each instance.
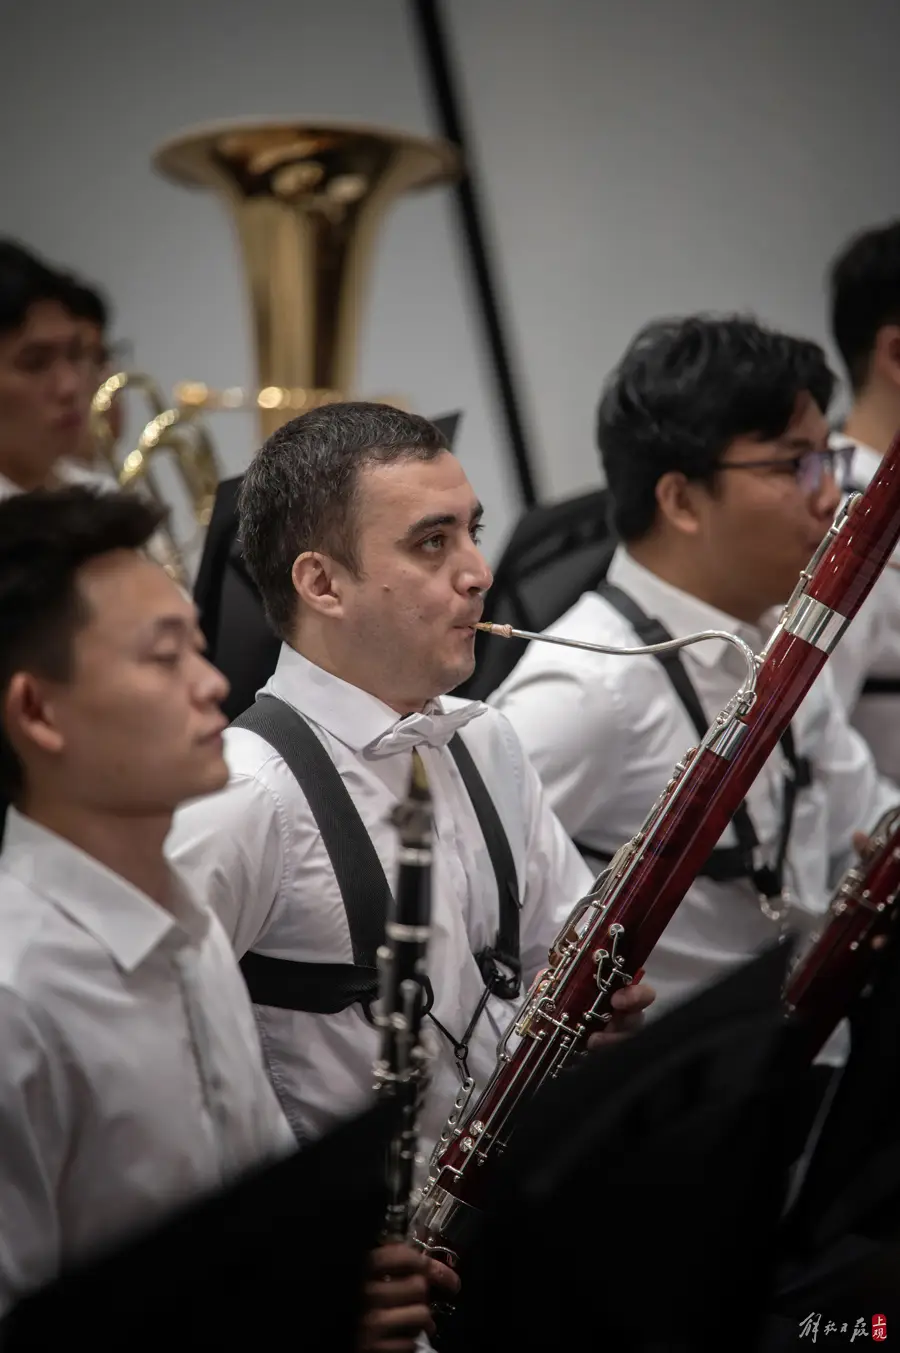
(283, 1250)
(642, 1192)
(239, 640)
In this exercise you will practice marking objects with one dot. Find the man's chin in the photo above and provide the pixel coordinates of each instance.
(460, 673)
(210, 780)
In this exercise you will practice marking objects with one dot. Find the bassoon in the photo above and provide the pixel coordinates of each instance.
(838, 963)
(612, 931)
(402, 1065)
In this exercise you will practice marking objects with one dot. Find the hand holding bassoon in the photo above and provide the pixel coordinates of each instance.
(831, 975)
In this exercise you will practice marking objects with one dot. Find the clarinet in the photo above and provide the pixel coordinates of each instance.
(612, 931)
(401, 1068)
(835, 969)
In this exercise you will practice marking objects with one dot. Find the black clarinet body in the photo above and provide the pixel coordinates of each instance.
(401, 1069)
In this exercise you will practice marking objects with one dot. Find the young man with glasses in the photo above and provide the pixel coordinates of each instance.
(715, 447)
(864, 286)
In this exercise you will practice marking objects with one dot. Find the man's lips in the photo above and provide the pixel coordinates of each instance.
(216, 732)
(68, 422)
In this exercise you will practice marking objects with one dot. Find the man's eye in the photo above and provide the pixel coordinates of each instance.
(433, 544)
(34, 364)
(476, 531)
(167, 659)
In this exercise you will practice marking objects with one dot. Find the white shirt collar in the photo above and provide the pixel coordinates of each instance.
(69, 473)
(127, 923)
(7, 488)
(681, 613)
(353, 716)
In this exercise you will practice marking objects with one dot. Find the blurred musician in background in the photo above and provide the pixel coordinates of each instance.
(45, 374)
(132, 1077)
(864, 284)
(361, 530)
(714, 443)
(91, 311)
(54, 354)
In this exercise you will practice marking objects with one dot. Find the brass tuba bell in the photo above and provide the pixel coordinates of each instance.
(307, 199)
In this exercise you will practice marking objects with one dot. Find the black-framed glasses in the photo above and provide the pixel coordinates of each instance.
(809, 467)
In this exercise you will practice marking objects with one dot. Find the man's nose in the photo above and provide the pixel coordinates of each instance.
(71, 381)
(477, 575)
(212, 684)
(829, 493)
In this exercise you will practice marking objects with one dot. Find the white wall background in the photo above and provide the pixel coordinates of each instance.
(638, 157)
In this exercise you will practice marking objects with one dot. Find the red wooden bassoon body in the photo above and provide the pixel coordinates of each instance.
(835, 969)
(613, 931)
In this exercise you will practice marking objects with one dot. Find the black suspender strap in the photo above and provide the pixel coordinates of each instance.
(881, 686)
(325, 988)
(505, 953)
(726, 863)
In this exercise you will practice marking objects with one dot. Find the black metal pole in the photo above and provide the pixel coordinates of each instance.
(427, 17)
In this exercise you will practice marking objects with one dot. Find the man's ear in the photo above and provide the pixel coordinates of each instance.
(30, 716)
(317, 581)
(886, 356)
(676, 499)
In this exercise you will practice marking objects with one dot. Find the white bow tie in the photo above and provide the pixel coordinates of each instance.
(434, 730)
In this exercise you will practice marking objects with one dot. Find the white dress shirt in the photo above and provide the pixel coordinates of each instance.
(132, 1078)
(605, 733)
(256, 853)
(871, 646)
(69, 474)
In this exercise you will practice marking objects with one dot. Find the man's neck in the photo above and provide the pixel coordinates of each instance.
(696, 580)
(874, 420)
(131, 847)
(323, 655)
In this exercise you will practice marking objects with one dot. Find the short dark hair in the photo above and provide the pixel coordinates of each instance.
(864, 296)
(86, 302)
(45, 537)
(300, 491)
(24, 280)
(684, 391)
